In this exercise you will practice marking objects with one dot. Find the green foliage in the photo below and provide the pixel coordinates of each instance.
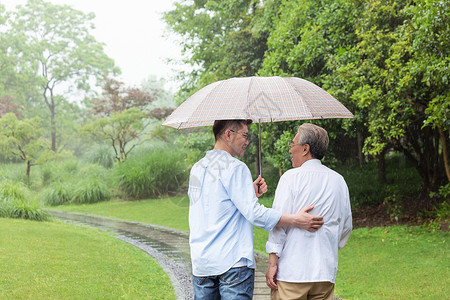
(13, 191)
(124, 130)
(223, 38)
(153, 172)
(393, 202)
(23, 139)
(90, 190)
(197, 144)
(402, 181)
(53, 48)
(280, 157)
(59, 171)
(71, 181)
(16, 201)
(57, 193)
(100, 154)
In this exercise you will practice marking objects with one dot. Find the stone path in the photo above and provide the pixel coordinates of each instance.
(170, 249)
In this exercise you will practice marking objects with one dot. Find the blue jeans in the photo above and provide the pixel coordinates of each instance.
(236, 283)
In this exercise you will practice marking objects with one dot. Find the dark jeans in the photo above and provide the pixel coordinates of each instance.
(236, 283)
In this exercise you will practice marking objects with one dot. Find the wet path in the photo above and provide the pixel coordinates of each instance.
(170, 249)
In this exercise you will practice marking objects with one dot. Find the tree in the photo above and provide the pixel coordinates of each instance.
(116, 98)
(53, 41)
(23, 139)
(122, 129)
(395, 73)
(431, 63)
(305, 35)
(7, 105)
(222, 38)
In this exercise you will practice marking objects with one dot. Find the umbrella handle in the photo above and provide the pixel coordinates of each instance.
(259, 153)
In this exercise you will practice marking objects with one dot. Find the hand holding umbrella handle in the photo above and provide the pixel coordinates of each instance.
(260, 186)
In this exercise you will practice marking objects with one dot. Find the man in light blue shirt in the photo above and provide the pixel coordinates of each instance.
(223, 209)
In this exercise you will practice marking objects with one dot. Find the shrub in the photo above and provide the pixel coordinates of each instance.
(30, 210)
(101, 155)
(58, 171)
(90, 190)
(13, 191)
(154, 172)
(16, 202)
(56, 194)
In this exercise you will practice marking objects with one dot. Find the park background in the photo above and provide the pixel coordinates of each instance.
(75, 136)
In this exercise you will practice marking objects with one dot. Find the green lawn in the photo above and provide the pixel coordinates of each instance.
(54, 260)
(382, 263)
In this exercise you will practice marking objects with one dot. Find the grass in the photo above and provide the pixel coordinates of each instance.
(381, 263)
(54, 260)
(395, 263)
(169, 212)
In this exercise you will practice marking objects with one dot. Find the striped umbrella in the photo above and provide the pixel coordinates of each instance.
(261, 99)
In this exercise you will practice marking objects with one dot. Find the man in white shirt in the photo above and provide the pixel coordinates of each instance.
(303, 264)
(223, 209)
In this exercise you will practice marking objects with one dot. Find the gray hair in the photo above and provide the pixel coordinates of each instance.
(316, 137)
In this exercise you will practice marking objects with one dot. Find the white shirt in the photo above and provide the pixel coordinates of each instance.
(223, 209)
(311, 256)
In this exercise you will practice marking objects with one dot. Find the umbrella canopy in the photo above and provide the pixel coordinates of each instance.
(261, 99)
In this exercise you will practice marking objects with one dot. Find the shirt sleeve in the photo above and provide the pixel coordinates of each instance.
(282, 203)
(242, 194)
(347, 228)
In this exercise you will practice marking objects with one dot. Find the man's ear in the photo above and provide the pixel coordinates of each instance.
(305, 149)
(227, 134)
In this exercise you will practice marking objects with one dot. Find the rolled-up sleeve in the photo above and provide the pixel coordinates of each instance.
(242, 194)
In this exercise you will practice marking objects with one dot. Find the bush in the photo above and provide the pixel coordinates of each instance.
(56, 194)
(101, 155)
(90, 190)
(16, 202)
(154, 172)
(59, 171)
(365, 189)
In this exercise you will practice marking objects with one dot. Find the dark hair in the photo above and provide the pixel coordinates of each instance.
(316, 137)
(220, 126)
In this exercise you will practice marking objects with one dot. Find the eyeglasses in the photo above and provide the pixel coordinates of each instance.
(243, 134)
(292, 145)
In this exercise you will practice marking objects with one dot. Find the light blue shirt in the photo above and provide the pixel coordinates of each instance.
(223, 210)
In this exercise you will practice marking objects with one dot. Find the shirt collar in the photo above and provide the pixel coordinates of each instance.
(313, 161)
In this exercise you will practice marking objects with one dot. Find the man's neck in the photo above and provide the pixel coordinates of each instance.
(220, 145)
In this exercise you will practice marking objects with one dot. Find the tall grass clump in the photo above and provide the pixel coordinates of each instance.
(101, 155)
(59, 171)
(152, 172)
(16, 201)
(90, 191)
(92, 186)
(57, 193)
(72, 181)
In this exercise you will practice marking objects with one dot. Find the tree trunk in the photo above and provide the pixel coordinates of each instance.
(382, 167)
(53, 127)
(28, 168)
(444, 141)
(359, 139)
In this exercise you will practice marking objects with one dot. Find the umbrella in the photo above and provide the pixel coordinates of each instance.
(261, 99)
